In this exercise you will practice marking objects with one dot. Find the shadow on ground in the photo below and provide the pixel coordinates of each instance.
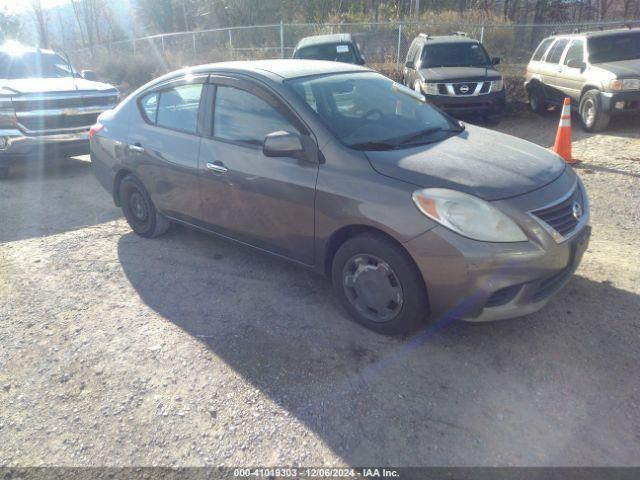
(38, 199)
(554, 388)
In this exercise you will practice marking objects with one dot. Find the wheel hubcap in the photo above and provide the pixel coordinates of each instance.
(138, 207)
(589, 112)
(372, 287)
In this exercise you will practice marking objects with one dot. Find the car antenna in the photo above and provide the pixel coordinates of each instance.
(66, 59)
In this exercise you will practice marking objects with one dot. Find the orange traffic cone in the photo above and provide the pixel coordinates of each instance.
(563, 138)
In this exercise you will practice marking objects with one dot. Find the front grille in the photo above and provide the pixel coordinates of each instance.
(552, 284)
(442, 89)
(58, 122)
(503, 296)
(71, 102)
(561, 216)
(467, 88)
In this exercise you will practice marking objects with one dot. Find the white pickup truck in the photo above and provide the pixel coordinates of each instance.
(46, 106)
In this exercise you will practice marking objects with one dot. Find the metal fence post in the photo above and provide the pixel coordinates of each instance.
(482, 33)
(399, 41)
(162, 42)
(194, 44)
(281, 39)
(230, 43)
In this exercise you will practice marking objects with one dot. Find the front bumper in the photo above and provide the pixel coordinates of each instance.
(481, 281)
(15, 145)
(490, 104)
(621, 102)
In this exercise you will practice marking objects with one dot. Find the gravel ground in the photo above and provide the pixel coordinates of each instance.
(187, 350)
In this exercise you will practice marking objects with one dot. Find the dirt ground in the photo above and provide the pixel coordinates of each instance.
(186, 350)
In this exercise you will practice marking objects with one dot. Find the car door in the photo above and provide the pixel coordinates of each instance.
(573, 78)
(552, 71)
(165, 146)
(267, 202)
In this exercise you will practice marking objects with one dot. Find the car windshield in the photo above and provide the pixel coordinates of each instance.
(454, 55)
(367, 111)
(341, 52)
(614, 48)
(33, 65)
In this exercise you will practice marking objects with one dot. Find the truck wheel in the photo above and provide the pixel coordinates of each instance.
(592, 116)
(139, 210)
(537, 101)
(379, 284)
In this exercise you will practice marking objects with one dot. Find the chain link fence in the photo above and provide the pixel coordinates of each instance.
(381, 43)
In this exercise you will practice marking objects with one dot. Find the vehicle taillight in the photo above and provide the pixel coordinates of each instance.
(95, 129)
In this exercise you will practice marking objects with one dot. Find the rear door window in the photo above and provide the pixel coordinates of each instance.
(556, 51)
(178, 108)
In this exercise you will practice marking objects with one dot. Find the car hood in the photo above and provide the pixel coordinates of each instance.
(624, 69)
(478, 161)
(459, 73)
(50, 85)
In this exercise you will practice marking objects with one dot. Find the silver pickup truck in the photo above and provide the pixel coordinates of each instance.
(46, 106)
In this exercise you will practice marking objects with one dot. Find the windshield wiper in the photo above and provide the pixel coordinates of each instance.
(426, 132)
(374, 146)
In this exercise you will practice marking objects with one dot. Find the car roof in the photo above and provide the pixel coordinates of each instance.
(598, 33)
(440, 39)
(325, 39)
(285, 68)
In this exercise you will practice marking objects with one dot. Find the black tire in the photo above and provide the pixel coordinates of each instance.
(139, 210)
(592, 116)
(370, 254)
(537, 101)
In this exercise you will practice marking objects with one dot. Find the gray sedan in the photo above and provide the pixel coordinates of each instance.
(337, 168)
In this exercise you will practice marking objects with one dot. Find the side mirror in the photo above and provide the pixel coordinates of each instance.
(575, 63)
(410, 64)
(89, 75)
(495, 60)
(282, 144)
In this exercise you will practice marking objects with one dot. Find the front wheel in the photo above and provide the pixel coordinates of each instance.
(379, 284)
(592, 116)
(139, 210)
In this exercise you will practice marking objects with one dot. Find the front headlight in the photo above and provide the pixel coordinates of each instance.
(7, 114)
(429, 88)
(467, 215)
(497, 85)
(625, 84)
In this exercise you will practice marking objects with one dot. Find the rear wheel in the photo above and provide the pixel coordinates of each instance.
(379, 284)
(592, 116)
(537, 100)
(139, 210)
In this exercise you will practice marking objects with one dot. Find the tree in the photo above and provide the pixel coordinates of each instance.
(42, 19)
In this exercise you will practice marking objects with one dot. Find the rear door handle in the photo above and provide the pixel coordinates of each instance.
(217, 167)
(136, 148)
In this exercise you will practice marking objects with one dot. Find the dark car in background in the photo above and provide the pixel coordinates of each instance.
(340, 169)
(599, 71)
(339, 47)
(46, 106)
(456, 74)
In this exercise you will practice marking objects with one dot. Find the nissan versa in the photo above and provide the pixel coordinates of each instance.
(340, 169)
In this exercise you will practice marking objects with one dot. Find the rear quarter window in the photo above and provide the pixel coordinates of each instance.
(541, 50)
(149, 107)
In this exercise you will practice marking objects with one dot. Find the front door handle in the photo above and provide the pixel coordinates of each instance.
(136, 148)
(217, 167)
